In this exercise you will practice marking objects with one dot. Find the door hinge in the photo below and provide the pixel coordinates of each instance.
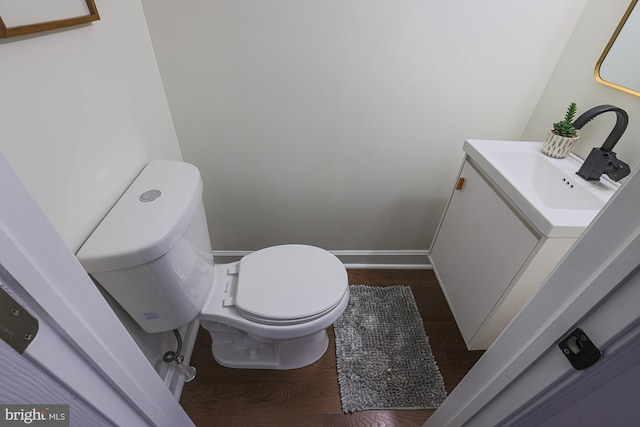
(579, 349)
(18, 327)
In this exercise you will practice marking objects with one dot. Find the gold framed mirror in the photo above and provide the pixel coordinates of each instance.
(34, 16)
(619, 64)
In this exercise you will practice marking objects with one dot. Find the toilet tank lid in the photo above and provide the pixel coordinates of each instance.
(147, 220)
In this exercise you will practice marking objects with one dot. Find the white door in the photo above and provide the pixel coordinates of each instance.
(595, 287)
(81, 344)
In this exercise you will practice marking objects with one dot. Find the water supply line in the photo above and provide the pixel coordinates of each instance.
(189, 372)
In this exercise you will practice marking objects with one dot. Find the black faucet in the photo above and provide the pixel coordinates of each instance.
(603, 160)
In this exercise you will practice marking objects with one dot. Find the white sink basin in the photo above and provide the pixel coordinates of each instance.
(548, 192)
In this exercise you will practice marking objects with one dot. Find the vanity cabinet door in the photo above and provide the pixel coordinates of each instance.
(479, 248)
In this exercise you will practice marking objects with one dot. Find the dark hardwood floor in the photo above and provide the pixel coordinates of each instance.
(310, 396)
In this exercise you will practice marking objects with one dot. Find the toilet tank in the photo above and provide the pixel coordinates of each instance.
(152, 251)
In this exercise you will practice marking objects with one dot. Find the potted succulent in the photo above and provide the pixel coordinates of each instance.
(561, 139)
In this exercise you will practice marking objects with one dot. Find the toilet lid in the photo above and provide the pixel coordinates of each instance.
(289, 284)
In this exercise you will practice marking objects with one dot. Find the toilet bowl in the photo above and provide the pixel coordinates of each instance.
(272, 308)
(152, 253)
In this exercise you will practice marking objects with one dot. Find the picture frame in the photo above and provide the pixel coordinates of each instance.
(48, 15)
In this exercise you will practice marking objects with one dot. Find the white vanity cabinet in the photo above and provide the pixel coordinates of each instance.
(488, 257)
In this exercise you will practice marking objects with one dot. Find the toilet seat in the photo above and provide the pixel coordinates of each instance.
(289, 284)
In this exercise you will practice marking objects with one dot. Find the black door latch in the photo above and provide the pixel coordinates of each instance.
(579, 349)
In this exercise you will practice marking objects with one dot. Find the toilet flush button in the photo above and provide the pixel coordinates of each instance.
(149, 195)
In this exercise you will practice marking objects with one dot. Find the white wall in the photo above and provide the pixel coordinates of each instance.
(82, 111)
(573, 80)
(340, 123)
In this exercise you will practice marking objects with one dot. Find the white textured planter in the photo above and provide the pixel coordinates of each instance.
(558, 146)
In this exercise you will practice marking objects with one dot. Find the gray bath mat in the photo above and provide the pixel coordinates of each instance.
(384, 358)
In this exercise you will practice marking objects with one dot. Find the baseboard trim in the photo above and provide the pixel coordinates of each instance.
(358, 259)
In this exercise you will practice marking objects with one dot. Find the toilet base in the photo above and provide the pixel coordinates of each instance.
(234, 348)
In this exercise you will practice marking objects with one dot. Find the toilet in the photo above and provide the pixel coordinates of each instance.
(152, 254)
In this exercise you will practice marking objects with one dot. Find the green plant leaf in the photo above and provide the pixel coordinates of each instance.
(565, 127)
